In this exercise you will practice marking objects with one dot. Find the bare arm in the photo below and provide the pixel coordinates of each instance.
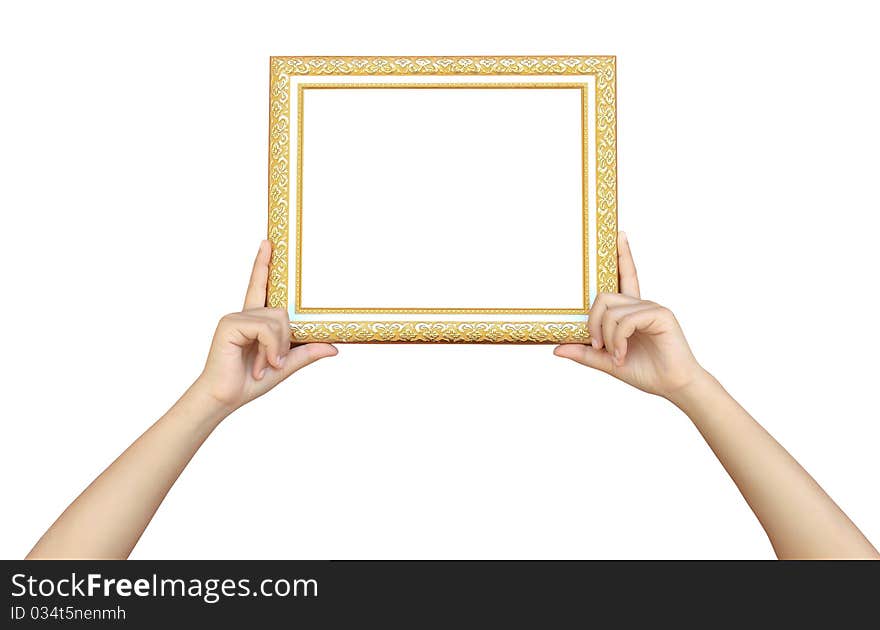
(799, 518)
(250, 354)
(641, 343)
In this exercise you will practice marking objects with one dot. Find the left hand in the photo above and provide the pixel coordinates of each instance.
(251, 352)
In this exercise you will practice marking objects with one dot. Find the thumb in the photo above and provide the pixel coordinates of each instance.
(585, 355)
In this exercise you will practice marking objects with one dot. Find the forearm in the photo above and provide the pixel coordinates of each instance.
(798, 517)
(108, 518)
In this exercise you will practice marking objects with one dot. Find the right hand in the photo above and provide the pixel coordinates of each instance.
(634, 340)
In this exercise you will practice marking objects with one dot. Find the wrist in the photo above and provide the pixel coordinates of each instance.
(203, 407)
(694, 390)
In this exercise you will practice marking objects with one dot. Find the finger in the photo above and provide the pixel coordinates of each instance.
(646, 320)
(260, 363)
(603, 302)
(280, 317)
(281, 327)
(280, 324)
(585, 355)
(256, 291)
(609, 323)
(614, 344)
(301, 356)
(626, 267)
(243, 329)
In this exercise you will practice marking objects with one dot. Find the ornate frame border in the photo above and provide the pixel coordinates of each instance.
(281, 69)
(296, 295)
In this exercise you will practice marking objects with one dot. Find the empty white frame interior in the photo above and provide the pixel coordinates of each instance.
(449, 197)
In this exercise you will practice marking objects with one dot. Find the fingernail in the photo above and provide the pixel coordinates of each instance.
(280, 360)
(617, 356)
(261, 374)
(595, 343)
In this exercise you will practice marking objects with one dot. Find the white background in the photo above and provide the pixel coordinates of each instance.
(132, 193)
(418, 197)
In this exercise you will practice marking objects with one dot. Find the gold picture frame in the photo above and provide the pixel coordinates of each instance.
(290, 77)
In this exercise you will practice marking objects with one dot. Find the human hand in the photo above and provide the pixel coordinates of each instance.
(251, 352)
(634, 340)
